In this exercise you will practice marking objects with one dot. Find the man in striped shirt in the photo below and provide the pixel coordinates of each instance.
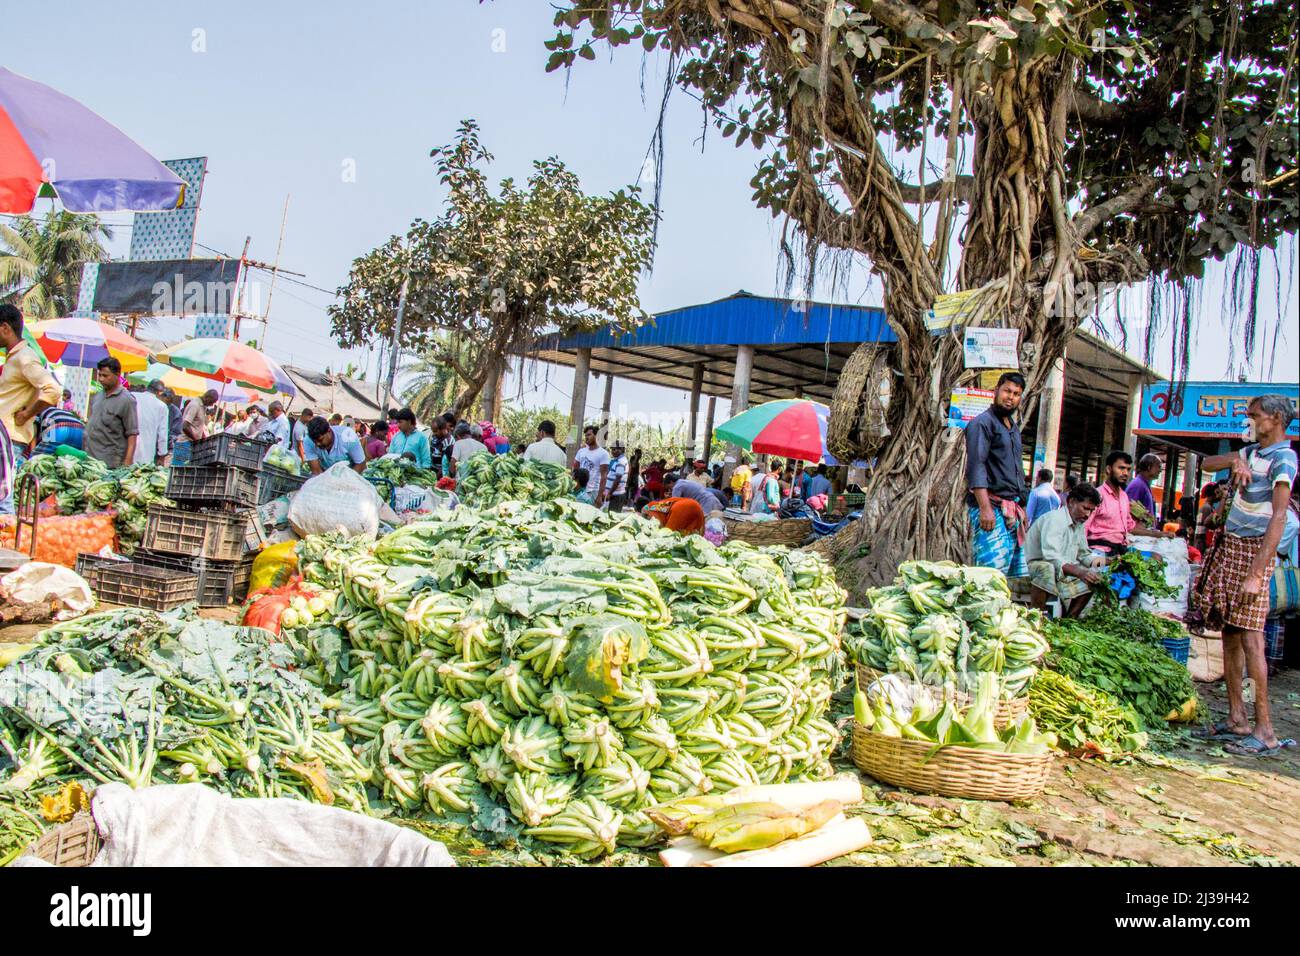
(1234, 593)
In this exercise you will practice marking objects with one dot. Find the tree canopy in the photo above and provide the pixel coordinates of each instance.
(499, 269)
(40, 265)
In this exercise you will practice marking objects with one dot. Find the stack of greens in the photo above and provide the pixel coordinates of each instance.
(1134, 623)
(136, 697)
(1142, 676)
(1149, 573)
(486, 480)
(1085, 720)
(944, 625)
(947, 724)
(82, 485)
(397, 472)
(574, 668)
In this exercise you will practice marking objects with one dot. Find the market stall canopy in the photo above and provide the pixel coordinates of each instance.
(52, 146)
(330, 392)
(83, 343)
(792, 428)
(226, 361)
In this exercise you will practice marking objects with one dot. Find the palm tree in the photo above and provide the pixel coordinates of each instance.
(40, 264)
(433, 386)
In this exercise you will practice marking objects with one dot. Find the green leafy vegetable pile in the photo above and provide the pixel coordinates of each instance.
(1133, 623)
(486, 480)
(943, 624)
(1084, 718)
(1140, 675)
(136, 697)
(573, 668)
(83, 485)
(1149, 573)
(396, 472)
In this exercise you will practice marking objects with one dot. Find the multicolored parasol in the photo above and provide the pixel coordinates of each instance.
(52, 146)
(227, 361)
(793, 428)
(82, 343)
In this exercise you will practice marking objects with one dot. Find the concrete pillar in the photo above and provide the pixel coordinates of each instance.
(1133, 417)
(739, 400)
(697, 383)
(1048, 438)
(708, 426)
(578, 407)
(607, 400)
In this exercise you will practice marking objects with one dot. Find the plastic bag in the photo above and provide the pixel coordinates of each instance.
(59, 539)
(36, 580)
(274, 566)
(338, 499)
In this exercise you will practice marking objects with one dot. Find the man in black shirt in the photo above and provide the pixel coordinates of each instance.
(995, 481)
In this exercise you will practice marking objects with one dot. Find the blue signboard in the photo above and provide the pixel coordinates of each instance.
(1206, 409)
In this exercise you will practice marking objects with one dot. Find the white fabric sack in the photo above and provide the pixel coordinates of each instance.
(1178, 574)
(338, 499)
(193, 825)
(36, 580)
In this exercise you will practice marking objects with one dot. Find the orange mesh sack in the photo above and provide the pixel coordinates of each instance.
(60, 538)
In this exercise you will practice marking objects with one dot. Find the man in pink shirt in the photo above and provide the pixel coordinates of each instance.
(1111, 524)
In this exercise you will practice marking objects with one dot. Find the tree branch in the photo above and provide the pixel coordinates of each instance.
(1092, 217)
(961, 185)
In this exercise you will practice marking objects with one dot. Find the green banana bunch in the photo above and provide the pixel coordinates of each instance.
(519, 689)
(534, 745)
(446, 726)
(543, 649)
(731, 642)
(592, 742)
(707, 739)
(474, 639)
(421, 675)
(562, 705)
(534, 797)
(731, 770)
(681, 776)
(782, 647)
(684, 707)
(622, 783)
(633, 703)
(465, 680)
(652, 744)
(639, 830)
(492, 767)
(677, 657)
(587, 827)
(486, 721)
(447, 788)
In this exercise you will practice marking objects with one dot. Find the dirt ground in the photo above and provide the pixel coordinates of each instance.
(1184, 803)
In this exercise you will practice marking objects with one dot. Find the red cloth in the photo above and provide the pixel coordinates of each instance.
(1012, 511)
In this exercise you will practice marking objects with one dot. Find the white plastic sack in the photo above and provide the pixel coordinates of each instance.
(338, 499)
(193, 825)
(36, 580)
(1178, 574)
(418, 500)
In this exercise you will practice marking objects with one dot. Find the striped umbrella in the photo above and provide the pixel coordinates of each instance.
(227, 361)
(82, 343)
(791, 428)
(52, 146)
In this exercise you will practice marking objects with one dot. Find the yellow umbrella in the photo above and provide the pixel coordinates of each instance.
(180, 382)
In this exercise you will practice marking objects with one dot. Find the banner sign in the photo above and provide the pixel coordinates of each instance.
(966, 404)
(992, 348)
(167, 286)
(1206, 409)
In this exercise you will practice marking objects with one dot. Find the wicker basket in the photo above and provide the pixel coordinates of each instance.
(787, 531)
(950, 771)
(75, 843)
(1008, 712)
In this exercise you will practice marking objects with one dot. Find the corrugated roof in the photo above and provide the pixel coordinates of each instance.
(745, 319)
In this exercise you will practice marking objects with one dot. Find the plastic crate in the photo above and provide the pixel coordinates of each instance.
(220, 582)
(218, 535)
(234, 451)
(1178, 648)
(213, 485)
(89, 566)
(138, 585)
(272, 483)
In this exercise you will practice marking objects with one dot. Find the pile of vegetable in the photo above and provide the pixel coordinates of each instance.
(284, 460)
(486, 479)
(574, 669)
(945, 625)
(397, 472)
(736, 827)
(140, 698)
(84, 485)
(945, 723)
(1140, 514)
(1140, 675)
(1086, 721)
(1147, 573)
(1134, 623)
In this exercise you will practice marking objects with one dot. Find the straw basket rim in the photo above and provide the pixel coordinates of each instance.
(75, 843)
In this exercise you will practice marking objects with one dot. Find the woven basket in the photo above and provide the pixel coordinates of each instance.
(787, 531)
(950, 771)
(1007, 713)
(75, 843)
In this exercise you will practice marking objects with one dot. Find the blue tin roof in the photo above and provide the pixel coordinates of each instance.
(746, 319)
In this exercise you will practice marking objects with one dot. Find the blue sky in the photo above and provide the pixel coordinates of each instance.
(284, 94)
